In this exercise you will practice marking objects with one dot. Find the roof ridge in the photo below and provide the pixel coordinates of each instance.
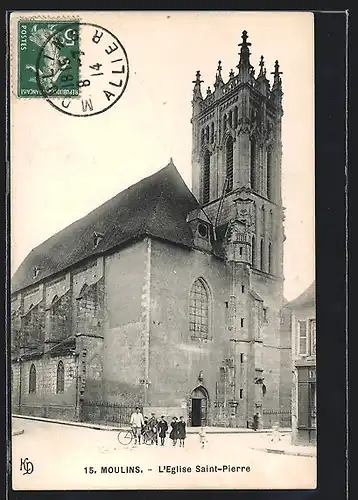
(156, 205)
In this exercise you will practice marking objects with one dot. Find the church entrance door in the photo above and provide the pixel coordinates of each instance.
(196, 412)
(199, 407)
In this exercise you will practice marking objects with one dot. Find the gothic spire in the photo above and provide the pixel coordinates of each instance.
(262, 65)
(276, 92)
(244, 65)
(277, 82)
(197, 87)
(262, 83)
(218, 77)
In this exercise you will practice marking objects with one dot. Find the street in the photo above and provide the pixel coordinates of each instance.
(68, 457)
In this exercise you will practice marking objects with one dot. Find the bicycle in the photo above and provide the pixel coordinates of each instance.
(126, 436)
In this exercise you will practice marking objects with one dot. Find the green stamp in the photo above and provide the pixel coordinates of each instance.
(48, 59)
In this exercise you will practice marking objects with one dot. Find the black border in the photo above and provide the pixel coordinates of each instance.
(330, 157)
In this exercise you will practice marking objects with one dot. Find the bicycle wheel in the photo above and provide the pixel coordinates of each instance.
(125, 437)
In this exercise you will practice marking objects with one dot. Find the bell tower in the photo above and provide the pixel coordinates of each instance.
(236, 156)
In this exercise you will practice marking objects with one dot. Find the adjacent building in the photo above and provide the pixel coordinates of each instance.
(303, 320)
(167, 298)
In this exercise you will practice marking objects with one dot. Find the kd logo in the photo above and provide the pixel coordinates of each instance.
(27, 466)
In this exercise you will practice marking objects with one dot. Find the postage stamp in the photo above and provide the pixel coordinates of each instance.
(48, 53)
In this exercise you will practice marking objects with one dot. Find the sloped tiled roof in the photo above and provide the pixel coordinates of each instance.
(157, 206)
(307, 298)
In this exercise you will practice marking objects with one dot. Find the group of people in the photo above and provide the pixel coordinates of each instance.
(144, 426)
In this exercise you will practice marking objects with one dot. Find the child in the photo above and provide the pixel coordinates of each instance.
(181, 431)
(202, 436)
(162, 428)
(174, 432)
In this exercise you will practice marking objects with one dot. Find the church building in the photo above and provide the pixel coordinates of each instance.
(166, 298)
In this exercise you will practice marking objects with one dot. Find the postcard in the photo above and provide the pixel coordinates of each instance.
(163, 331)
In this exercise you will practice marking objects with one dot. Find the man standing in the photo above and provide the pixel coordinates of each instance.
(256, 421)
(136, 422)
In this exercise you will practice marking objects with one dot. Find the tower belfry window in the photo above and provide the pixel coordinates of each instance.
(253, 176)
(206, 178)
(229, 164)
(269, 174)
(262, 255)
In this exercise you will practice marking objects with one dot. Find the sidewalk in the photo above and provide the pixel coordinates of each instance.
(190, 430)
(15, 429)
(283, 446)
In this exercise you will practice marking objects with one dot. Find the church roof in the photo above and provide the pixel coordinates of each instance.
(155, 206)
(307, 298)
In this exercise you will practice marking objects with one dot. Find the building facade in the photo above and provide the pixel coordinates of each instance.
(304, 418)
(165, 298)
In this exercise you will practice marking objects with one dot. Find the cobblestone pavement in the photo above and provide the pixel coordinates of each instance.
(66, 457)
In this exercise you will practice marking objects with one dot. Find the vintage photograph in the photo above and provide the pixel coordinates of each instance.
(163, 324)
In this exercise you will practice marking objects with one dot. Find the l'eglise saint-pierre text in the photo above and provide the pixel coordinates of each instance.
(178, 469)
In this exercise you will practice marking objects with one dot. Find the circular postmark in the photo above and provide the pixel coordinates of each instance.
(82, 69)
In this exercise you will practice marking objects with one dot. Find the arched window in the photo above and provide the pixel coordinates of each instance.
(202, 136)
(270, 258)
(253, 251)
(229, 164)
(60, 381)
(212, 133)
(32, 379)
(199, 310)
(262, 255)
(206, 178)
(269, 174)
(263, 218)
(253, 178)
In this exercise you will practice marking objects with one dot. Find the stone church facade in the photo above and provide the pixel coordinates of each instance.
(167, 298)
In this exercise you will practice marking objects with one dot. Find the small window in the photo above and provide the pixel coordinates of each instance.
(242, 357)
(32, 380)
(60, 384)
(242, 322)
(203, 230)
(97, 238)
(242, 289)
(227, 305)
(240, 251)
(265, 313)
(241, 393)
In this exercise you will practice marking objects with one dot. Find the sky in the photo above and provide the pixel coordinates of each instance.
(62, 167)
